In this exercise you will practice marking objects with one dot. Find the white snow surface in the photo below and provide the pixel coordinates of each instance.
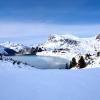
(34, 84)
(26, 83)
(8, 65)
(16, 47)
(74, 46)
(84, 45)
(2, 51)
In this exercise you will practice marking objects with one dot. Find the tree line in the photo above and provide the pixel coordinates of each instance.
(80, 64)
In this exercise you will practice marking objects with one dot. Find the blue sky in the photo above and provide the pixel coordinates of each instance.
(51, 11)
(38, 18)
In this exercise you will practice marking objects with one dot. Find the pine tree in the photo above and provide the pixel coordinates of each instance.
(67, 66)
(98, 54)
(18, 63)
(81, 62)
(73, 63)
(14, 62)
(0, 56)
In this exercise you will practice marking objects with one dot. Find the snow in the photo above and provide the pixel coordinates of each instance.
(8, 65)
(35, 84)
(95, 64)
(72, 47)
(57, 54)
(83, 46)
(16, 47)
(2, 51)
(22, 82)
(57, 41)
(68, 36)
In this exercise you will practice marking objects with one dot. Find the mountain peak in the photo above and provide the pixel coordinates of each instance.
(56, 37)
(98, 37)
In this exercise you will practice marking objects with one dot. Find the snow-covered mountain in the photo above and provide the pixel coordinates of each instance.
(60, 41)
(19, 48)
(72, 44)
(16, 47)
(6, 51)
(69, 46)
(66, 46)
(2, 51)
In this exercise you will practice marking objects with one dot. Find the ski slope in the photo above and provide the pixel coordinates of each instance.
(35, 84)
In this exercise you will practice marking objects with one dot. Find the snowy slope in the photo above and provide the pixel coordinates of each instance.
(65, 46)
(26, 83)
(6, 51)
(9, 66)
(69, 46)
(23, 84)
(2, 51)
(72, 45)
(16, 47)
(57, 41)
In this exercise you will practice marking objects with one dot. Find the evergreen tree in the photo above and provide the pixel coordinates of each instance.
(73, 63)
(18, 63)
(33, 51)
(14, 62)
(67, 66)
(81, 62)
(98, 54)
(0, 56)
(40, 50)
(87, 56)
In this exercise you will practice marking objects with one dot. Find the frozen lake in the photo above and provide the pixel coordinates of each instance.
(42, 62)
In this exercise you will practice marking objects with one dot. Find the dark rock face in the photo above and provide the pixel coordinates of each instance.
(35, 50)
(24, 51)
(38, 49)
(30, 51)
(98, 37)
(71, 42)
(10, 52)
(51, 38)
(63, 40)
